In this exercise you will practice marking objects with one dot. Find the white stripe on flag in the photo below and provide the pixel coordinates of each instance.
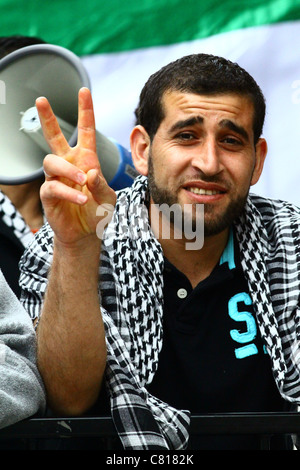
(269, 53)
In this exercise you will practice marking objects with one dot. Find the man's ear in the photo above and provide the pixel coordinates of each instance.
(140, 146)
(261, 149)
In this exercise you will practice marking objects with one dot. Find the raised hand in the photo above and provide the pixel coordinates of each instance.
(74, 185)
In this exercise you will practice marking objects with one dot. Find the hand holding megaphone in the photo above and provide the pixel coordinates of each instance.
(74, 184)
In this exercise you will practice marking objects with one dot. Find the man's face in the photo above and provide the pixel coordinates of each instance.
(204, 153)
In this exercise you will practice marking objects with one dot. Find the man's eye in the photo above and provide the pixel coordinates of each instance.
(186, 136)
(231, 141)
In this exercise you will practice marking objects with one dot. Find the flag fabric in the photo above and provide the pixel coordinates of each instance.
(122, 43)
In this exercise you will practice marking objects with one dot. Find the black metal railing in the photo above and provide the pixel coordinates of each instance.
(266, 425)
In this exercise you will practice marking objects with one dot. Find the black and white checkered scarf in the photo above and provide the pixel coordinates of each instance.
(132, 307)
(13, 219)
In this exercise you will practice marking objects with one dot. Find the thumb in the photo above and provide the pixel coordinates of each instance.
(100, 190)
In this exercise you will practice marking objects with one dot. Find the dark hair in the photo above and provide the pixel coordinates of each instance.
(10, 44)
(201, 74)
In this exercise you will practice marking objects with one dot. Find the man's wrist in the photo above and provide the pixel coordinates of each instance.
(87, 247)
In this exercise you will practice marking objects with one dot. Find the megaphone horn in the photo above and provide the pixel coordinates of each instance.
(58, 74)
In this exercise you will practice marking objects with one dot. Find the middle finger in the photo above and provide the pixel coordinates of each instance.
(86, 120)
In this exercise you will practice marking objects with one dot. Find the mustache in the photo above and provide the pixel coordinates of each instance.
(202, 177)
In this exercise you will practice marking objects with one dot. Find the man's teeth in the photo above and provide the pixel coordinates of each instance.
(207, 192)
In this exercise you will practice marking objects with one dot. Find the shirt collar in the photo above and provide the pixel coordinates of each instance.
(228, 253)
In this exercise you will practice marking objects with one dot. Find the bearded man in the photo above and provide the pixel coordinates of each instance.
(156, 327)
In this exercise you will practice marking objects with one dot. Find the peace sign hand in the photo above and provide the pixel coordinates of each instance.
(74, 185)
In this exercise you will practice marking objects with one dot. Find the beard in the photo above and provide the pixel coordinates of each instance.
(213, 223)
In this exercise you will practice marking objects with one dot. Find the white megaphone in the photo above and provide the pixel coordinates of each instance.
(58, 74)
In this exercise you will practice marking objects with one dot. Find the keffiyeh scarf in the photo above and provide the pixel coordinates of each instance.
(12, 218)
(131, 291)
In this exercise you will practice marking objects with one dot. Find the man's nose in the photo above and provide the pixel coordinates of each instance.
(207, 157)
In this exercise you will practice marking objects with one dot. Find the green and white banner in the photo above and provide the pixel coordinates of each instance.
(122, 43)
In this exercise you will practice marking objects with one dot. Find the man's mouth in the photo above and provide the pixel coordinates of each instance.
(205, 192)
(205, 189)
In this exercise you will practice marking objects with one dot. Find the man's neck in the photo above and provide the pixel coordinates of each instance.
(197, 264)
(26, 199)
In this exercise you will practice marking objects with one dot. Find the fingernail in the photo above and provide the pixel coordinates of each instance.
(97, 181)
(81, 198)
(81, 177)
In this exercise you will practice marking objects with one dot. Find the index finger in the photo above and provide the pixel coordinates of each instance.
(51, 130)
(86, 121)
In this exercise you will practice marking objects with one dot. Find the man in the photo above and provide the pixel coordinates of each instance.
(21, 213)
(21, 389)
(183, 329)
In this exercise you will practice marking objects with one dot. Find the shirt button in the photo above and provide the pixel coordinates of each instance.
(182, 293)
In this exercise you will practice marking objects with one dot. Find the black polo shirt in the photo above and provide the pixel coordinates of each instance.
(213, 359)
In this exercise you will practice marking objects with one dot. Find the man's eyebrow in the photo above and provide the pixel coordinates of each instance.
(186, 123)
(225, 123)
(235, 128)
